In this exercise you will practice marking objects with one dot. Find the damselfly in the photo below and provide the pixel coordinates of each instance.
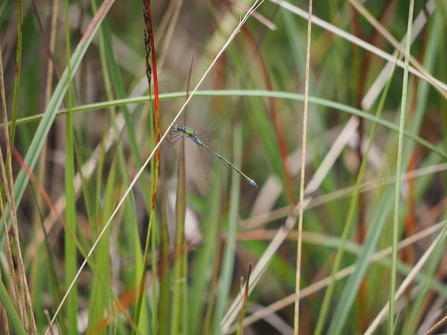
(199, 137)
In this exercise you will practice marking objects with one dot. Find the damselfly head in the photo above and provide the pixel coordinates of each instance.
(179, 127)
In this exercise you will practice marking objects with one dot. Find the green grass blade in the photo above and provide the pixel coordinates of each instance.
(164, 266)
(101, 285)
(10, 310)
(19, 51)
(179, 276)
(397, 197)
(262, 94)
(204, 260)
(70, 196)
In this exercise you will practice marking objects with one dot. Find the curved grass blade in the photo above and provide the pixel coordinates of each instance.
(251, 93)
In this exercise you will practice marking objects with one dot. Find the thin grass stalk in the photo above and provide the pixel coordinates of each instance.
(9, 256)
(9, 252)
(11, 266)
(55, 279)
(152, 320)
(163, 266)
(204, 261)
(174, 7)
(360, 68)
(101, 287)
(179, 320)
(23, 298)
(165, 22)
(179, 275)
(70, 252)
(397, 197)
(230, 239)
(19, 51)
(303, 174)
(186, 297)
(438, 324)
(244, 302)
(49, 50)
(410, 222)
(51, 66)
(7, 177)
(214, 287)
(104, 54)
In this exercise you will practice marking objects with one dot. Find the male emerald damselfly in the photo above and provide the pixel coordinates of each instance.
(201, 136)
